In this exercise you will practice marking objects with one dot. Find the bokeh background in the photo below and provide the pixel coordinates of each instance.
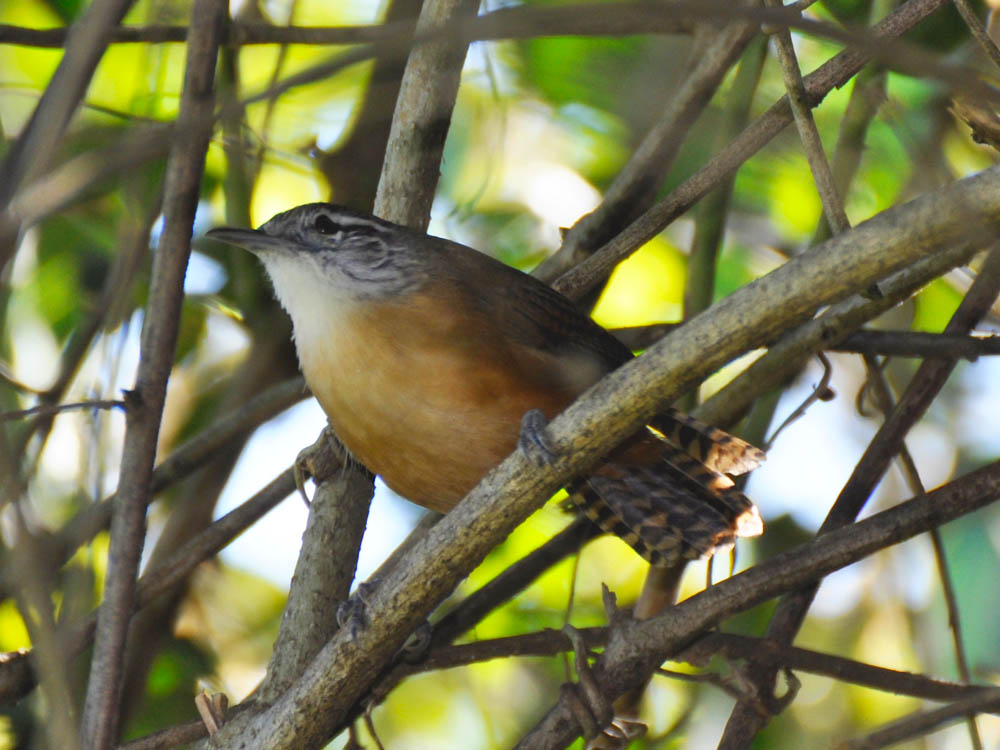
(540, 128)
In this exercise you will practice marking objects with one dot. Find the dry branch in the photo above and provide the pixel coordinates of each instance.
(635, 648)
(159, 337)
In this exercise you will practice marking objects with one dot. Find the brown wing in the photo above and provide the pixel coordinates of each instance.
(671, 509)
(667, 498)
(545, 322)
(532, 314)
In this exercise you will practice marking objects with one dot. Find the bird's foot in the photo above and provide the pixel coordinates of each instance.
(318, 461)
(534, 440)
(352, 614)
(417, 644)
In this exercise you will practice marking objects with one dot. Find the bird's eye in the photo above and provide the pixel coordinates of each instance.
(325, 225)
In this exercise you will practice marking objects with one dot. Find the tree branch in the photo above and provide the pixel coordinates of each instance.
(159, 336)
(17, 677)
(922, 722)
(423, 113)
(834, 73)
(745, 720)
(635, 648)
(634, 187)
(919, 344)
(326, 564)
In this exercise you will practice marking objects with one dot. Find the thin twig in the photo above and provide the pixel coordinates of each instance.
(737, 647)
(744, 722)
(730, 646)
(885, 402)
(726, 684)
(6, 376)
(919, 344)
(835, 72)
(867, 96)
(370, 725)
(48, 410)
(99, 728)
(18, 682)
(636, 648)
(833, 205)
(922, 723)
(971, 18)
(423, 114)
(819, 392)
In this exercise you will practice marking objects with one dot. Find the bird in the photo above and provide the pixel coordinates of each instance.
(426, 355)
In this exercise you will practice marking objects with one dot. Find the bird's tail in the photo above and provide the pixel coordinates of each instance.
(715, 448)
(665, 493)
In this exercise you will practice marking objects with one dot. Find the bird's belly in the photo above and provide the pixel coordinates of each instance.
(431, 422)
(431, 460)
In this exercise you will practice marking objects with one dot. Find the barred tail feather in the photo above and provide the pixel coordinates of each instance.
(674, 509)
(716, 490)
(586, 499)
(717, 449)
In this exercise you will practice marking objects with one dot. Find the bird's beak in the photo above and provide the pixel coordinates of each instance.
(254, 240)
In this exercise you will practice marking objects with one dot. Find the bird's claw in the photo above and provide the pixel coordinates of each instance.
(416, 645)
(302, 473)
(534, 440)
(318, 461)
(351, 614)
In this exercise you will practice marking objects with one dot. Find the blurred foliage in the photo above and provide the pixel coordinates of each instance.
(541, 127)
